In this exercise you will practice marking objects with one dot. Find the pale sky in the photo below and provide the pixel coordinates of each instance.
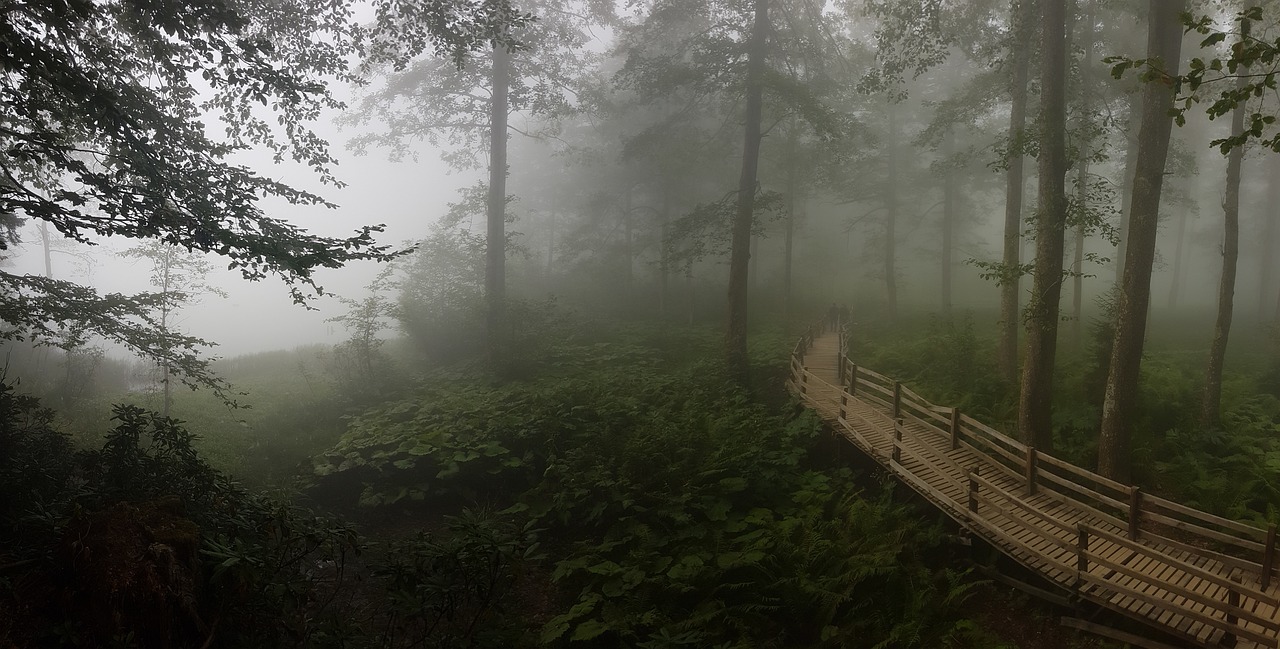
(258, 316)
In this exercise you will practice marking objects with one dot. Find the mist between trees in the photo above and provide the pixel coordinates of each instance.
(1077, 202)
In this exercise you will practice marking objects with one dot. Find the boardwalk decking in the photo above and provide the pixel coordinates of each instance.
(1205, 579)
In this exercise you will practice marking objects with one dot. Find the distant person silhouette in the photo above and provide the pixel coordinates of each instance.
(833, 317)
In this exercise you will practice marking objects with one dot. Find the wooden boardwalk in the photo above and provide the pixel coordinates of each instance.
(1204, 579)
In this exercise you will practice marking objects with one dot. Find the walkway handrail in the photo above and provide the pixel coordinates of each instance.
(1235, 558)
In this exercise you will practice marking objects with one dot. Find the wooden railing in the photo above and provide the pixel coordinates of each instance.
(1166, 545)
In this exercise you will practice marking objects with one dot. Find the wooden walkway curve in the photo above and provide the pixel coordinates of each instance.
(1195, 576)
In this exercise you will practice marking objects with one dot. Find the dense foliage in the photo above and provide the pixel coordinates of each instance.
(674, 509)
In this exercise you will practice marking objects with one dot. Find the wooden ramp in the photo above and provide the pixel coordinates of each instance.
(1193, 575)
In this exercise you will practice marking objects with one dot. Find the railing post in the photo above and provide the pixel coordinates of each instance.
(897, 399)
(973, 488)
(840, 370)
(955, 428)
(844, 404)
(1082, 556)
(1233, 600)
(1030, 473)
(853, 380)
(804, 380)
(897, 441)
(1135, 511)
(1269, 556)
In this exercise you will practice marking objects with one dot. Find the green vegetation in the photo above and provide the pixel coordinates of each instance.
(630, 495)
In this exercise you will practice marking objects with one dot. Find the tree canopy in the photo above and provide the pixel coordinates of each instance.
(103, 133)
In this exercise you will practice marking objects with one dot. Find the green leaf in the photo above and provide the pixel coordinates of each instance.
(588, 630)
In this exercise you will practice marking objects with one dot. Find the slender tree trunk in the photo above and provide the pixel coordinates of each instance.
(740, 256)
(1010, 279)
(1179, 249)
(1077, 261)
(1164, 43)
(45, 245)
(495, 275)
(627, 251)
(1035, 408)
(166, 267)
(1266, 272)
(891, 220)
(551, 242)
(1211, 406)
(1126, 183)
(948, 223)
(664, 264)
(789, 226)
(1082, 183)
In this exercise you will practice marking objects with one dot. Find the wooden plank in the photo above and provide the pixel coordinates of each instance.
(1235, 562)
(1021, 504)
(1192, 528)
(1013, 458)
(1085, 491)
(875, 375)
(995, 434)
(1187, 614)
(1084, 474)
(1189, 568)
(1256, 533)
(1189, 593)
(1003, 511)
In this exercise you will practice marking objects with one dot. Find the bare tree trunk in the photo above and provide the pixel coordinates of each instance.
(1266, 272)
(1179, 249)
(1035, 407)
(1077, 261)
(891, 221)
(948, 223)
(793, 188)
(551, 241)
(1126, 183)
(1010, 279)
(664, 264)
(166, 268)
(495, 275)
(1164, 43)
(740, 256)
(45, 245)
(1211, 406)
(627, 251)
(1082, 184)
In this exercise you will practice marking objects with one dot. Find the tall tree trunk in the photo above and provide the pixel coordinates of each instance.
(551, 242)
(1179, 249)
(495, 268)
(45, 244)
(1164, 43)
(664, 264)
(1211, 406)
(1035, 407)
(788, 237)
(891, 220)
(1082, 182)
(1010, 279)
(1077, 261)
(948, 222)
(1126, 183)
(628, 252)
(740, 256)
(166, 282)
(1266, 271)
